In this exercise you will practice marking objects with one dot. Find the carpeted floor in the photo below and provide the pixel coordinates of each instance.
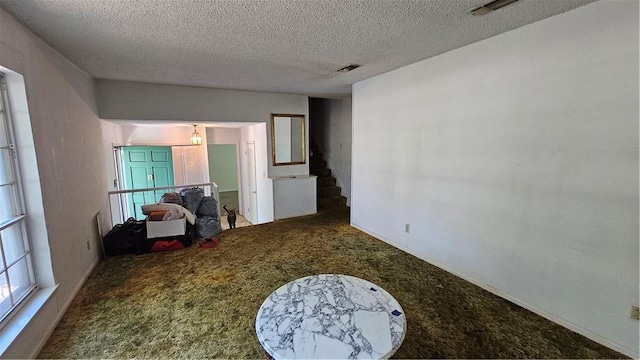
(202, 303)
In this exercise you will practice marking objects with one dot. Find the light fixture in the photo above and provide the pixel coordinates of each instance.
(196, 139)
(489, 7)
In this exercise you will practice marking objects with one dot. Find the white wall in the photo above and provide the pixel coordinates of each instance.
(294, 196)
(63, 119)
(515, 161)
(141, 101)
(111, 136)
(221, 135)
(159, 134)
(331, 127)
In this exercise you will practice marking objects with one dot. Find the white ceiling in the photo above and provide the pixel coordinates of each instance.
(285, 46)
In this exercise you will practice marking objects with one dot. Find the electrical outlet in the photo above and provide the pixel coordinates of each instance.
(406, 228)
(88, 245)
(635, 312)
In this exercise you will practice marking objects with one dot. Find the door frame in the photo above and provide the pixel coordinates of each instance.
(250, 194)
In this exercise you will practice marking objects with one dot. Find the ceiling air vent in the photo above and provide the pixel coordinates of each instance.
(489, 7)
(348, 68)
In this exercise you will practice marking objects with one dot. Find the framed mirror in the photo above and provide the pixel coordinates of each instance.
(287, 139)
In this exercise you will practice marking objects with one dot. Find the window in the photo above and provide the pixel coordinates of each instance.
(17, 279)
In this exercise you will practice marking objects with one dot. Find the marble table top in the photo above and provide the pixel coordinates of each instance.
(330, 317)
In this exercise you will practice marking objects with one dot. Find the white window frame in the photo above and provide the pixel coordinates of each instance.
(19, 218)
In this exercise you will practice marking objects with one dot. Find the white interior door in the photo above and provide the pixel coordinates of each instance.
(253, 190)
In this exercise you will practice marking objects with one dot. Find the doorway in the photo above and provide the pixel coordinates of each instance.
(145, 167)
(253, 189)
(223, 170)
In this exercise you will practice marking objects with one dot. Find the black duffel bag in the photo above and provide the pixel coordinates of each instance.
(127, 238)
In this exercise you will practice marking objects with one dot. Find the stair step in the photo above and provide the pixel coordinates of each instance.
(330, 203)
(317, 163)
(329, 192)
(326, 182)
(321, 172)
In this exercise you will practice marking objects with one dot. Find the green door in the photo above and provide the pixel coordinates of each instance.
(146, 167)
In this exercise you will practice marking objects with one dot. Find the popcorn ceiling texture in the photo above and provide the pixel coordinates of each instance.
(276, 45)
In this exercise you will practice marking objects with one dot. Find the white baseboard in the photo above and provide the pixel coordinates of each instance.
(228, 190)
(558, 320)
(62, 311)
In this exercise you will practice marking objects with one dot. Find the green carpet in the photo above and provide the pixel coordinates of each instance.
(202, 303)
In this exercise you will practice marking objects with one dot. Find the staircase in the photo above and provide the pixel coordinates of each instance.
(328, 193)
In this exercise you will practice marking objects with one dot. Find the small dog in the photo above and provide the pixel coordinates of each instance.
(231, 217)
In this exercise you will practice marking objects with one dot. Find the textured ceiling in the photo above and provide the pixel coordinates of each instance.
(286, 46)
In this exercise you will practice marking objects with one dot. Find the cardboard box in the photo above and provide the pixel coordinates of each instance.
(156, 229)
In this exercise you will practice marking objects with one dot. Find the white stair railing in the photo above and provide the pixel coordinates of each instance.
(119, 200)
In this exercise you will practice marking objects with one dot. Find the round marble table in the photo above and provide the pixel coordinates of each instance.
(330, 317)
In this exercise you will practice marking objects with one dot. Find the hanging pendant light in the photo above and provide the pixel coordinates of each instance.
(196, 139)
